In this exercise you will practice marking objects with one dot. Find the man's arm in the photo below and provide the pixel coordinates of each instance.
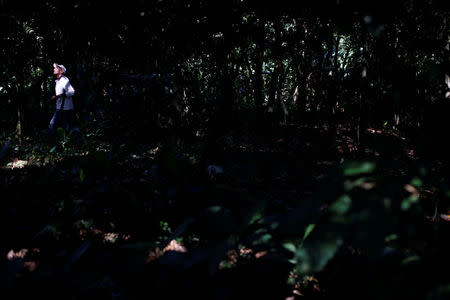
(69, 91)
(58, 96)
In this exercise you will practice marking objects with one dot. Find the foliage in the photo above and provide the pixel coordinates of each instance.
(324, 125)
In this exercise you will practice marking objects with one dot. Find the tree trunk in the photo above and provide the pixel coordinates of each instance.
(447, 77)
(258, 82)
(223, 115)
(332, 86)
(300, 94)
(362, 118)
(19, 121)
(272, 108)
(301, 68)
(279, 95)
(20, 105)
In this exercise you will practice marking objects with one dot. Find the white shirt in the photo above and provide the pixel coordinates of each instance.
(63, 85)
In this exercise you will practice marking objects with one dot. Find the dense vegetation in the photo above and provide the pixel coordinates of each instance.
(230, 149)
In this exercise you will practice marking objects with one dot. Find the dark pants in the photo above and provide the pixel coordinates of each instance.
(64, 119)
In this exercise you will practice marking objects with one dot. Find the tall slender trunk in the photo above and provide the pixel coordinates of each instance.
(223, 115)
(279, 95)
(300, 94)
(299, 60)
(447, 76)
(258, 82)
(362, 117)
(19, 122)
(274, 103)
(332, 92)
(447, 53)
(20, 105)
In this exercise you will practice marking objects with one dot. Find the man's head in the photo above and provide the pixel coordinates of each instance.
(58, 70)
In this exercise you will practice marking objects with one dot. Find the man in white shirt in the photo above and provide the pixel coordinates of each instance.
(64, 115)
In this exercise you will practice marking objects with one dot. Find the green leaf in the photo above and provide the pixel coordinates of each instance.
(357, 168)
(416, 181)
(256, 214)
(410, 259)
(349, 185)
(315, 256)
(82, 176)
(408, 202)
(290, 247)
(264, 239)
(390, 238)
(214, 209)
(341, 206)
(308, 230)
(53, 149)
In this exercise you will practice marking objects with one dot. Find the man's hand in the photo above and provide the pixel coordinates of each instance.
(58, 96)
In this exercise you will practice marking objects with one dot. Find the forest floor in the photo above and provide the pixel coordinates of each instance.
(86, 221)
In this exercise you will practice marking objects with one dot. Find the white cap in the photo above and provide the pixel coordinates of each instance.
(60, 66)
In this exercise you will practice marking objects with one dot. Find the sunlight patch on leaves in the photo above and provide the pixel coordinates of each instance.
(17, 164)
(110, 237)
(19, 254)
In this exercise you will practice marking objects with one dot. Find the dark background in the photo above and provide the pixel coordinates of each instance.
(284, 148)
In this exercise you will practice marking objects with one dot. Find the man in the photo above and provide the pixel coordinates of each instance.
(64, 115)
